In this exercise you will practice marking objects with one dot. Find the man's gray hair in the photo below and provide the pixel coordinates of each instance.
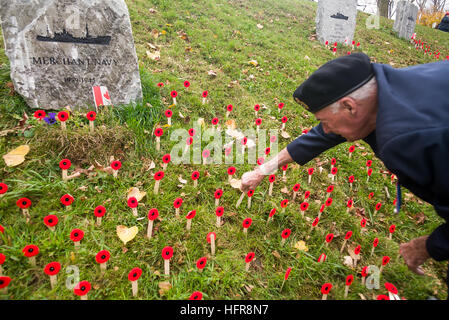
(364, 92)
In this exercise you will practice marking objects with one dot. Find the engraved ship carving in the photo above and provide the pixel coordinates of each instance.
(339, 16)
(66, 37)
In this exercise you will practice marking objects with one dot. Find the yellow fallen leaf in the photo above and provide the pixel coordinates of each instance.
(136, 193)
(16, 156)
(231, 124)
(72, 256)
(154, 55)
(301, 245)
(164, 287)
(126, 234)
(163, 32)
(254, 63)
(236, 183)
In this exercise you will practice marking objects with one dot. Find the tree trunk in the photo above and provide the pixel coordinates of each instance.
(382, 6)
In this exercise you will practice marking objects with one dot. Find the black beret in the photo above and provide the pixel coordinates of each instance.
(334, 80)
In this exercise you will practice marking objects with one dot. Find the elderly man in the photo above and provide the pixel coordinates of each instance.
(403, 114)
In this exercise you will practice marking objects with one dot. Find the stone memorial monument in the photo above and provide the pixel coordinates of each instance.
(406, 14)
(336, 20)
(59, 50)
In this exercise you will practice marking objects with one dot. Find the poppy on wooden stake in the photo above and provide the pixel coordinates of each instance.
(3, 188)
(287, 274)
(115, 165)
(91, 116)
(52, 269)
(189, 218)
(39, 114)
(195, 176)
(250, 194)
(231, 172)
(323, 206)
(271, 179)
(329, 238)
(189, 142)
(364, 274)
(284, 121)
(174, 94)
(322, 258)
(67, 201)
(214, 122)
(158, 177)
(325, 289)
(168, 114)
(31, 251)
(349, 280)
(258, 122)
(378, 206)
(284, 172)
(334, 172)
(76, 236)
(166, 160)
(296, 188)
(177, 205)
(314, 223)
(134, 276)
(197, 295)
(63, 116)
(357, 254)
(219, 213)
(280, 106)
(351, 181)
(229, 108)
(82, 289)
(204, 95)
(167, 254)
(310, 172)
(153, 214)
(205, 154)
(211, 237)
(349, 205)
(102, 258)
(351, 150)
(347, 237)
(369, 172)
(65, 164)
(217, 195)
(285, 235)
(256, 109)
(186, 84)
(24, 204)
(375, 243)
(133, 204)
(368, 164)
(246, 224)
(244, 141)
(334, 51)
(272, 140)
(304, 206)
(51, 221)
(158, 133)
(391, 230)
(363, 224)
(249, 257)
(271, 214)
(284, 204)
(201, 263)
(385, 260)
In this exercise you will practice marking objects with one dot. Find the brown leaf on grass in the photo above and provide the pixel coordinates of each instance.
(16, 156)
(360, 212)
(10, 86)
(285, 190)
(154, 33)
(249, 288)
(212, 73)
(276, 254)
(420, 218)
(164, 287)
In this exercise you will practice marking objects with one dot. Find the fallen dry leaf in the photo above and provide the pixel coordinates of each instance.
(236, 183)
(154, 55)
(254, 63)
(301, 246)
(259, 26)
(348, 261)
(136, 193)
(212, 73)
(285, 135)
(180, 179)
(126, 234)
(276, 254)
(164, 287)
(16, 156)
(155, 33)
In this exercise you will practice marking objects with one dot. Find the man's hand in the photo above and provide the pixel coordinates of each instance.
(415, 254)
(250, 180)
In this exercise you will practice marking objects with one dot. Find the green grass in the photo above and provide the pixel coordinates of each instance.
(223, 37)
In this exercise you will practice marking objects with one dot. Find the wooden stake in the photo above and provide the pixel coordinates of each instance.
(135, 213)
(103, 267)
(63, 125)
(26, 214)
(249, 202)
(158, 143)
(247, 266)
(343, 246)
(346, 291)
(177, 212)
(294, 195)
(32, 261)
(310, 179)
(77, 245)
(189, 224)
(270, 189)
(174, 101)
(167, 267)
(135, 288)
(212, 245)
(240, 200)
(325, 295)
(195, 183)
(53, 281)
(150, 229)
(218, 222)
(217, 202)
(91, 126)
(64, 175)
(84, 297)
(98, 221)
(156, 187)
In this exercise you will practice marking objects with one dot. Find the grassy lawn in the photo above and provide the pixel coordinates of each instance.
(196, 39)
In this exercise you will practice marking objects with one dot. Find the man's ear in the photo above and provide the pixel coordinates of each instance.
(349, 106)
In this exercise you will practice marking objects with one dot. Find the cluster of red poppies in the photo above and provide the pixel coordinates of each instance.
(427, 49)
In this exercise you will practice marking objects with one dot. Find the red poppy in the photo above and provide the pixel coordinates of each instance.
(310, 171)
(334, 170)
(159, 175)
(258, 121)
(296, 187)
(305, 131)
(177, 203)
(52, 268)
(364, 271)
(315, 222)
(369, 163)
(134, 274)
(322, 208)
(351, 179)
(392, 228)
(357, 250)
(231, 170)
(256, 107)
(2, 258)
(348, 235)
(219, 211)
(334, 49)
(158, 132)
(333, 161)
(168, 113)
(30, 250)
(287, 273)
(132, 202)
(218, 193)
(67, 200)
(229, 107)
(351, 149)
(328, 202)
(189, 141)
(91, 115)
(191, 214)
(349, 279)
(116, 165)
(3, 188)
(285, 167)
(208, 238)
(375, 242)
(326, 288)
(385, 260)
(4, 282)
(273, 138)
(76, 235)
(201, 263)
(215, 121)
(391, 288)
(329, 237)
(63, 116)
(102, 256)
(244, 140)
(247, 223)
(284, 203)
(249, 257)
(260, 161)
(286, 233)
(206, 153)
(358, 44)
(186, 84)
(272, 212)
(39, 114)
(153, 214)
(326, 43)
(304, 206)
(204, 94)
(382, 297)
(330, 189)
(369, 172)
(284, 119)
(363, 223)
(306, 194)
(349, 203)
(335, 44)
(192, 132)
(51, 220)
(2, 229)
(250, 193)
(272, 178)
(267, 151)
(23, 203)
(322, 257)
(281, 105)
(196, 296)
(371, 195)
(174, 94)
(378, 206)
(167, 253)
(65, 164)
(160, 84)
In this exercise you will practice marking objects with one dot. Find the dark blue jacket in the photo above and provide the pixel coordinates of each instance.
(411, 137)
(444, 24)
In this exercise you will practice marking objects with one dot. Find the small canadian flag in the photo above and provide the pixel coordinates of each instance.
(101, 96)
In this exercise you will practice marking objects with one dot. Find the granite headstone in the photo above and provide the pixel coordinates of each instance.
(59, 50)
(406, 14)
